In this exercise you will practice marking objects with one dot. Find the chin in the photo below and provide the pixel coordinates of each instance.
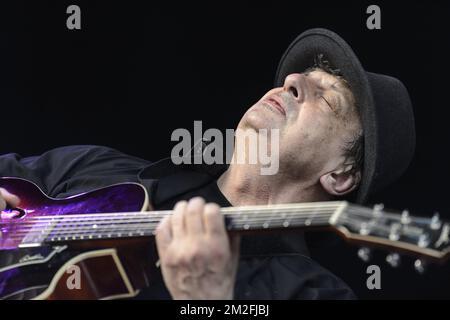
(258, 117)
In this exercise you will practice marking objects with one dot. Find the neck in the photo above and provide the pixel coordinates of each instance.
(242, 185)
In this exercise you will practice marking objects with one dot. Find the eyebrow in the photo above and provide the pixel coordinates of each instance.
(337, 101)
(335, 87)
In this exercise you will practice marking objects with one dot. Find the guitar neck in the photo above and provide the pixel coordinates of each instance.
(138, 224)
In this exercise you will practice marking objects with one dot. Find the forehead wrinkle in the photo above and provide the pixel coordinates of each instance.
(336, 85)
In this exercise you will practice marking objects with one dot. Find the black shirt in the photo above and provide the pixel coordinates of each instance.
(270, 266)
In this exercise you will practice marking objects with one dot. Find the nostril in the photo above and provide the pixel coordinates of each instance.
(294, 92)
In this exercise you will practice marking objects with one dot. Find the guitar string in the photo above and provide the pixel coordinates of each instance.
(133, 231)
(145, 232)
(135, 217)
(245, 222)
(142, 233)
(235, 221)
(346, 220)
(227, 210)
(108, 219)
(150, 229)
(118, 223)
(131, 221)
(161, 214)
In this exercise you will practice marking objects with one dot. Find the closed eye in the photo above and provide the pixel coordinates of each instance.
(327, 102)
(329, 105)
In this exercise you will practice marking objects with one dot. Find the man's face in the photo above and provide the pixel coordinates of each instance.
(316, 116)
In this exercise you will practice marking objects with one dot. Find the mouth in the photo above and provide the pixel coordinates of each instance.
(276, 104)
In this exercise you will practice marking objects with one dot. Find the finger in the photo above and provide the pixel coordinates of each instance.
(2, 203)
(193, 218)
(10, 198)
(163, 235)
(177, 220)
(213, 220)
(235, 243)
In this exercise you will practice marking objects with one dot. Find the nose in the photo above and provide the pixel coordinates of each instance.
(293, 84)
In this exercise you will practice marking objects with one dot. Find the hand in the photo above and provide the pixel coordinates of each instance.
(198, 258)
(7, 198)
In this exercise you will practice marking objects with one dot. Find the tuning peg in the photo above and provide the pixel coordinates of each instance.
(435, 221)
(405, 219)
(378, 209)
(424, 240)
(420, 266)
(395, 231)
(393, 259)
(364, 254)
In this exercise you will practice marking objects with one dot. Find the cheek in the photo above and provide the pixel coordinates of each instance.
(306, 129)
(314, 137)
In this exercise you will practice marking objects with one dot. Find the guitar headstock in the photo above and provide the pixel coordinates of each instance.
(426, 238)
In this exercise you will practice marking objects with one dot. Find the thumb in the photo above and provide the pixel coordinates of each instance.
(11, 199)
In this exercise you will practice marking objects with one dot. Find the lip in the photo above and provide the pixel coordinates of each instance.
(274, 102)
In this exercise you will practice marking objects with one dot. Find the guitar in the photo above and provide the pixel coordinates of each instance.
(105, 237)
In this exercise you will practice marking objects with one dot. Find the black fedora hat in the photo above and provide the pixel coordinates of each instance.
(383, 101)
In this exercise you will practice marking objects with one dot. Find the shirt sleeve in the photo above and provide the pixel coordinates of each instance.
(287, 277)
(72, 169)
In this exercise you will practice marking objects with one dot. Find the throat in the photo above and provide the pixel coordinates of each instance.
(243, 187)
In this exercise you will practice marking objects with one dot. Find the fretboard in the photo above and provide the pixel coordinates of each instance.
(143, 224)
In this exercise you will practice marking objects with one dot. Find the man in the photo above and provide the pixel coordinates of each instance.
(323, 116)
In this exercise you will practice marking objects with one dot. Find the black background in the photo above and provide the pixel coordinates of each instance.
(135, 72)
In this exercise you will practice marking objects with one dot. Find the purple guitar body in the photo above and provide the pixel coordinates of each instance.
(38, 256)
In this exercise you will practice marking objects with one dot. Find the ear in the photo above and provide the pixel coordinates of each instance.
(340, 182)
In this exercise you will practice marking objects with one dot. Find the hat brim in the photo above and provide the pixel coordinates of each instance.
(301, 55)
